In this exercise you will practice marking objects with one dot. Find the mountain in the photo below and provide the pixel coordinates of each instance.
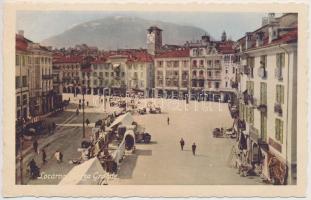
(122, 32)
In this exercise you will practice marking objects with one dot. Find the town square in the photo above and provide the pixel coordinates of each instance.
(127, 100)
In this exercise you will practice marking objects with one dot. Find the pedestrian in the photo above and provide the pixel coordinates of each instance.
(182, 144)
(87, 121)
(168, 121)
(43, 156)
(194, 147)
(33, 169)
(35, 146)
(87, 104)
(59, 156)
(54, 126)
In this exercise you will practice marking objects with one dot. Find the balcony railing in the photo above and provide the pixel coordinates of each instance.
(262, 108)
(262, 72)
(278, 109)
(249, 99)
(47, 76)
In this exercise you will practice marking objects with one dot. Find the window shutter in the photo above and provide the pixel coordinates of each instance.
(276, 129)
(281, 131)
(281, 94)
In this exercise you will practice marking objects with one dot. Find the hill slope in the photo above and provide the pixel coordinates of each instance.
(121, 32)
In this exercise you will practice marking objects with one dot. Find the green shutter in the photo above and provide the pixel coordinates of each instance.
(276, 129)
(281, 131)
(281, 94)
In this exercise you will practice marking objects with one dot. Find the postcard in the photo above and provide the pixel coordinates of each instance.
(155, 100)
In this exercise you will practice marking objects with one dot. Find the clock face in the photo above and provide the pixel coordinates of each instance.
(150, 38)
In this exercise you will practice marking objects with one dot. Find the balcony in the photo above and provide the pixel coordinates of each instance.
(246, 70)
(262, 108)
(234, 84)
(242, 125)
(278, 109)
(249, 99)
(278, 73)
(47, 76)
(262, 72)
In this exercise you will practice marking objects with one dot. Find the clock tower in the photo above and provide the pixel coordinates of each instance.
(154, 40)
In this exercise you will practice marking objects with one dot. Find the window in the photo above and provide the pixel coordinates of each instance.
(17, 82)
(216, 84)
(209, 74)
(250, 63)
(263, 93)
(263, 127)
(279, 130)
(194, 63)
(160, 63)
(233, 70)
(249, 115)
(242, 111)
(209, 63)
(24, 99)
(280, 94)
(201, 62)
(106, 74)
(112, 73)
(95, 82)
(18, 101)
(226, 84)
(263, 61)
(24, 81)
(226, 71)
(100, 74)
(280, 60)
(250, 87)
(95, 66)
(94, 74)
(17, 61)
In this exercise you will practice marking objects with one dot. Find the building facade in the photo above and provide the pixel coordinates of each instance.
(268, 98)
(172, 73)
(22, 79)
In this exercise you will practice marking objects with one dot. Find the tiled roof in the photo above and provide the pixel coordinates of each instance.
(21, 43)
(289, 37)
(174, 54)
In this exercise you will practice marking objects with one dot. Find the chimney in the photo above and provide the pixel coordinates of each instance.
(21, 32)
(273, 31)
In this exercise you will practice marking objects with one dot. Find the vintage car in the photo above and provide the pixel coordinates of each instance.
(142, 111)
(155, 110)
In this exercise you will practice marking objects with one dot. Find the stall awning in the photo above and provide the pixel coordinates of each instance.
(125, 119)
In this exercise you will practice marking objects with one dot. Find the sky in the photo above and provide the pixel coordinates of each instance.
(39, 25)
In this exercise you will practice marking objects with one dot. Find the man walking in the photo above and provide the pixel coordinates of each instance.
(87, 121)
(182, 144)
(194, 146)
(43, 156)
(35, 146)
(168, 121)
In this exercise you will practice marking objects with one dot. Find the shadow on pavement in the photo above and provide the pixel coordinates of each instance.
(129, 163)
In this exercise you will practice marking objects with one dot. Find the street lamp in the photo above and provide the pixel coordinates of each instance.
(83, 131)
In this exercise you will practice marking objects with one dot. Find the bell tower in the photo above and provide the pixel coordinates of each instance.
(154, 40)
